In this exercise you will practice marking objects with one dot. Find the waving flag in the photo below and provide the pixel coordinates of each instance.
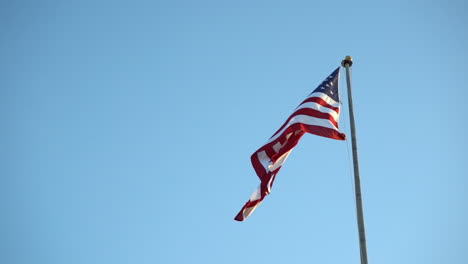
(318, 114)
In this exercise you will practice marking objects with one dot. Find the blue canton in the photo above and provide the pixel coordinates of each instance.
(330, 86)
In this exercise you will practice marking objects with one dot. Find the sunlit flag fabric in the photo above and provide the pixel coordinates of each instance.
(318, 114)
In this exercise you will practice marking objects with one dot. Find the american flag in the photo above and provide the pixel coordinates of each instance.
(318, 114)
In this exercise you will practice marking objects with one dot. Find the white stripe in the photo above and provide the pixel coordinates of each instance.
(320, 108)
(256, 195)
(249, 210)
(325, 97)
(264, 159)
(277, 147)
(305, 119)
(279, 162)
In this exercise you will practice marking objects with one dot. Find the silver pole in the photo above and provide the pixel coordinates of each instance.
(347, 62)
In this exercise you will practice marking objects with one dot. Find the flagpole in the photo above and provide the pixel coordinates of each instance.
(347, 62)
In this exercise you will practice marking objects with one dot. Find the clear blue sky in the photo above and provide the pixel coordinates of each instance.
(127, 128)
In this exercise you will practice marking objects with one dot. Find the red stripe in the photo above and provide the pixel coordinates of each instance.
(273, 177)
(323, 131)
(258, 167)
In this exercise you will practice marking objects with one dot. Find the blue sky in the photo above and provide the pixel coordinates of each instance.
(127, 128)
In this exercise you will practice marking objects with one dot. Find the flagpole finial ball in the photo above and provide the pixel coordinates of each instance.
(348, 60)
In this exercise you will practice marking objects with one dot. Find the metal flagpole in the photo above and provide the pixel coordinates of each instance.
(347, 62)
